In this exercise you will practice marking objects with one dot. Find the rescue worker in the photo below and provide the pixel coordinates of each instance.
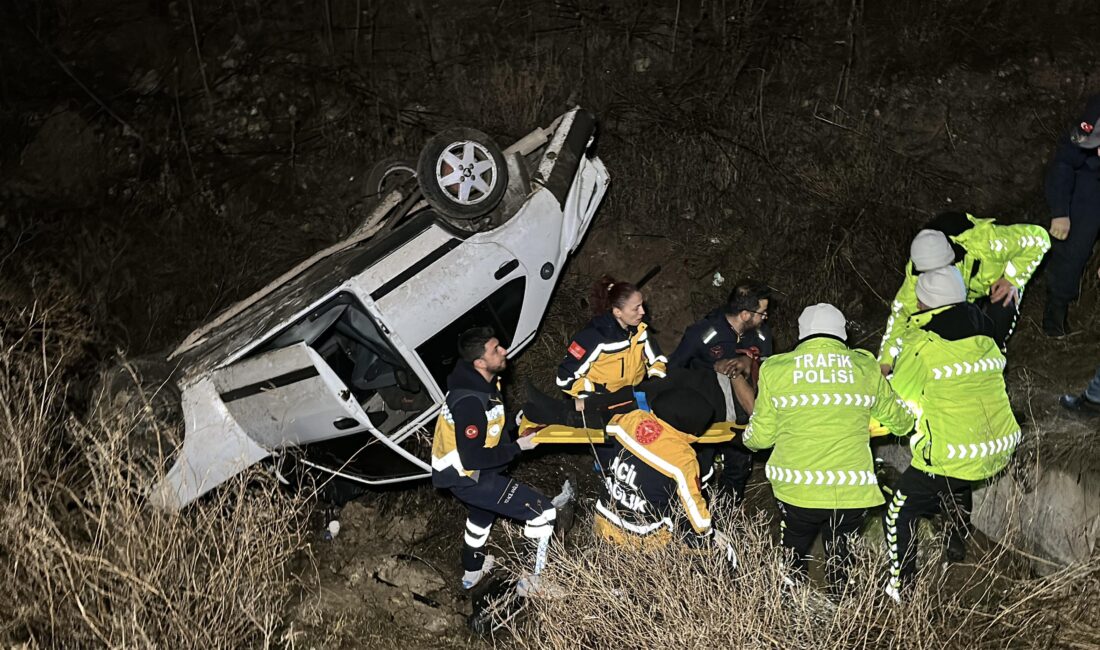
(814, 408)
(1073, 196)
(950, 372)
(651, 492)
(612, 354)
(732, 340)
(995, 261)
(471, 449)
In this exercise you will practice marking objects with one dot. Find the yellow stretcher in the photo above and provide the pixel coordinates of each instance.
(561, 434)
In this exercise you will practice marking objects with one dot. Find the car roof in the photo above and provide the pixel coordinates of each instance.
(284, 302)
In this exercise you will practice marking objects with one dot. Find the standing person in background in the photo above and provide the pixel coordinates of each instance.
(995, 261)
(733, 340)
(611, 355)
(814, 407)
(951, 373)
(1073, 196)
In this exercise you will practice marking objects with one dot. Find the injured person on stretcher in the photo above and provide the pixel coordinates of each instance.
(556, 421)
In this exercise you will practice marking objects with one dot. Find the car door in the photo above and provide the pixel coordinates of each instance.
(290, 397)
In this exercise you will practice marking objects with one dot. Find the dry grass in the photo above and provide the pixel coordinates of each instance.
(85, 561)
(610, 597)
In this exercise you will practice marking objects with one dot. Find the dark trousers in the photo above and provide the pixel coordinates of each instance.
(736, 467)
(492, 496)
(1004, 318)
(919, 494)
(1067, 259)
(800, 526)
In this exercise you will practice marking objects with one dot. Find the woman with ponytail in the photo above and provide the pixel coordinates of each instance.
(613, 353)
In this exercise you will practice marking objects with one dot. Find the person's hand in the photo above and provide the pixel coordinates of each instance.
(736, 366)
(578, 404)
(723, 545)
(1059, 227)
(526, 443)
(1003, 292)
(886, 369)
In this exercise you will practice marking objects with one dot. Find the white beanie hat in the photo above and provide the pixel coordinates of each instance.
(943, 286)
(821, 318)
(930, 250)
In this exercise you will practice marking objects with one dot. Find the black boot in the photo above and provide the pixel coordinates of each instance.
(1055, 324)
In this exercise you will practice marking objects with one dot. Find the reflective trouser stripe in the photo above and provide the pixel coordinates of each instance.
(891, 533)
(476, 536)
(541, 526)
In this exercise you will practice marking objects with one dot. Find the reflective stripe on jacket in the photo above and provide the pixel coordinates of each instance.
(604, 357)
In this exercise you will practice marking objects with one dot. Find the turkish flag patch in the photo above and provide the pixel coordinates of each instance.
(716, 352)
(648, 431)
(471, 432)
(576, 351)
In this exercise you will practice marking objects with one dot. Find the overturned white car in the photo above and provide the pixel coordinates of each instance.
(342, 360)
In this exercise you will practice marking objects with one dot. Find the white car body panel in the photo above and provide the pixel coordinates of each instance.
(241, 405)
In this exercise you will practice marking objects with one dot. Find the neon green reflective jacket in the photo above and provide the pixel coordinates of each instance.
(965, 426)
(992, 252)
(814, 405)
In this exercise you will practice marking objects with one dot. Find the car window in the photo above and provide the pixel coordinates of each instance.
(350, 342)
(501, 311)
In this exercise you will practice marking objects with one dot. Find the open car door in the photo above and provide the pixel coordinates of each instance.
(288, 397)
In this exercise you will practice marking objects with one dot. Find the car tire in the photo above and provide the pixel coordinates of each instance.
(462, 173)
(387, 175)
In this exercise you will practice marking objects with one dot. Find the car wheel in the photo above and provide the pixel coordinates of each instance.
(462, 173)
(388, 174)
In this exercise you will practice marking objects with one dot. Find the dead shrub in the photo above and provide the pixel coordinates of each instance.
(605, 596)
(85, 561)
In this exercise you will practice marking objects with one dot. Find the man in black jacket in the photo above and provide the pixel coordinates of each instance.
(1073, 195)
(733, 341)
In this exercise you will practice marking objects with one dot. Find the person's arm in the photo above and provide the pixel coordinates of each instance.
(900, 310)
(1059, 185)
(470, 434)
(743, 393)
(655, 363)
(582, 352)
(890, 410)
(762, 429)
(1020, 248)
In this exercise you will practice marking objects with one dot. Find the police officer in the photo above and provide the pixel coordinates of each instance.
(950, 371)
(612, 354)
(1073, 196)
(651, 490)
(995, 261)
(732, 340)
(814, 407)
(1088, 401)
(471, 449)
